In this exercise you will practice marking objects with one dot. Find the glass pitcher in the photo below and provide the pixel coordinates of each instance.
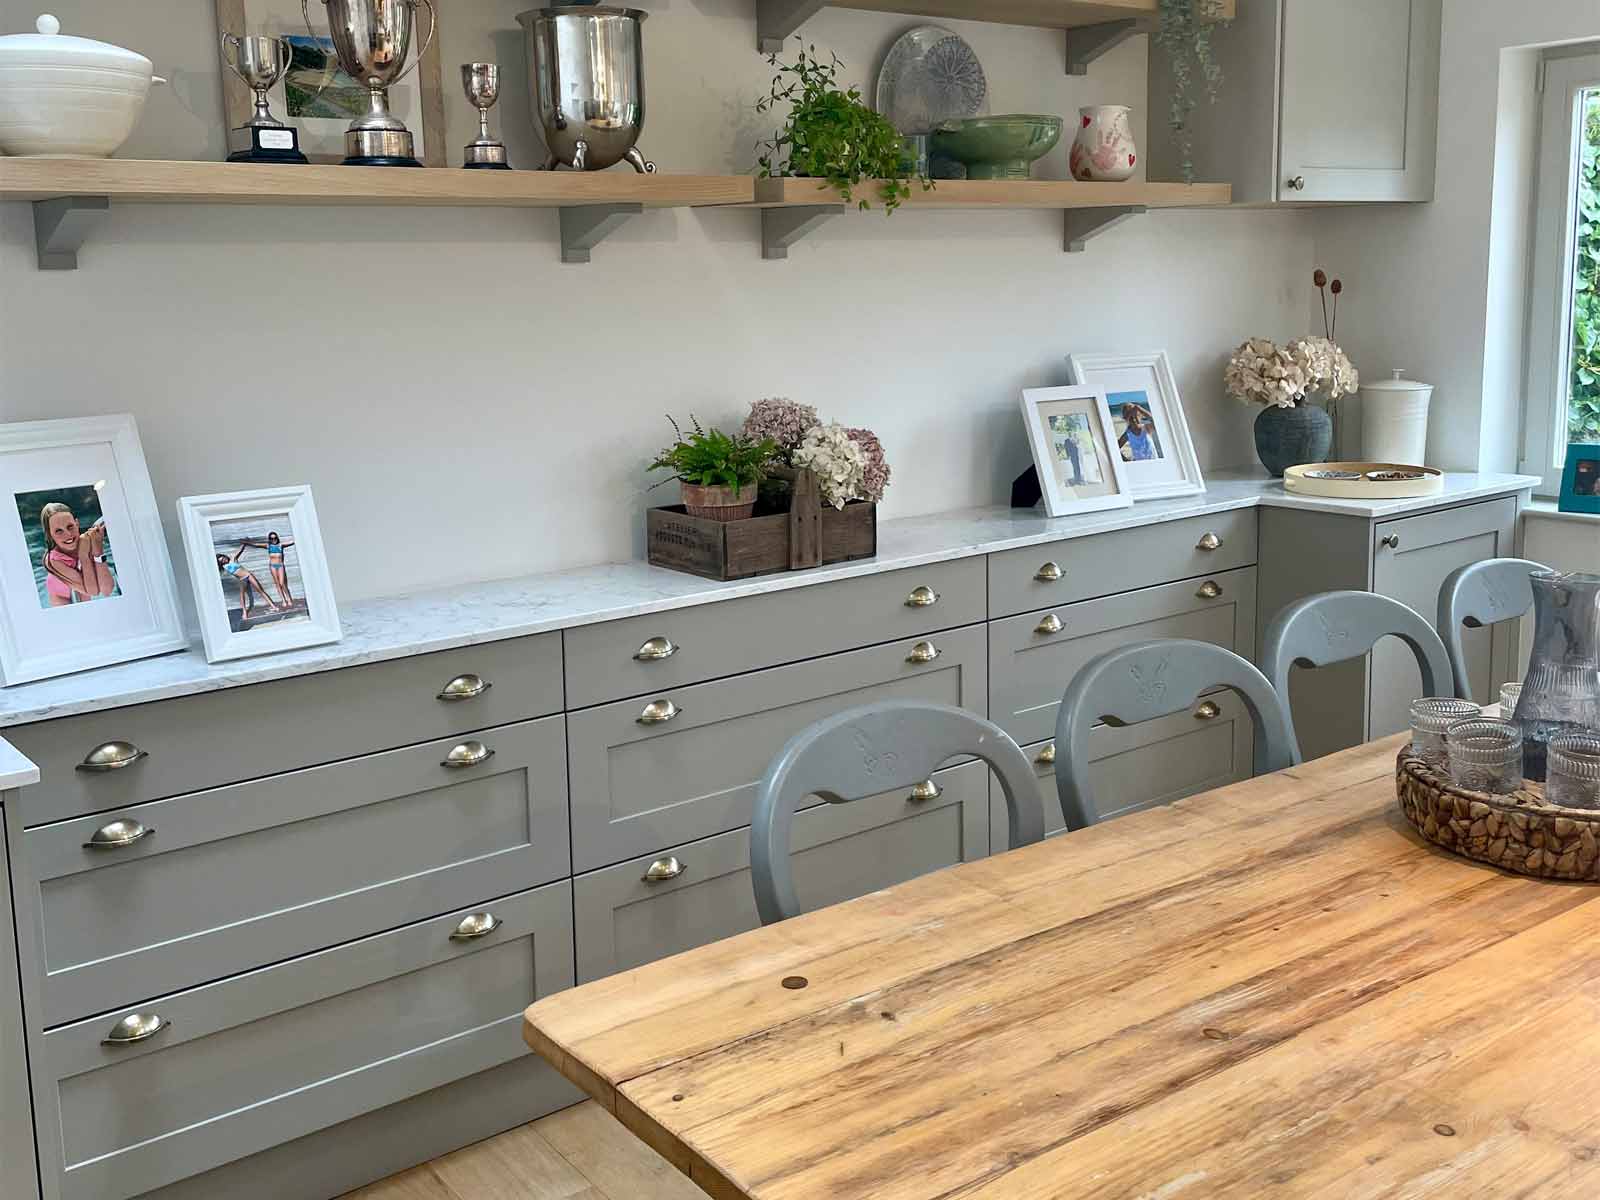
(1561, 693)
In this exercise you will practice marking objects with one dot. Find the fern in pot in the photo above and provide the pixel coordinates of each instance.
(718, 474)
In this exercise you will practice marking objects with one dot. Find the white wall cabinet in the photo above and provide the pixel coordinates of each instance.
(1323, 101)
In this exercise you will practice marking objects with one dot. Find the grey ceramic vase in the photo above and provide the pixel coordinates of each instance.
(1288, 437)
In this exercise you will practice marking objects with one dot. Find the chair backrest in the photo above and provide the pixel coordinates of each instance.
(1479, 594)
(1336, 626)
(1146, 680)
(872, 749)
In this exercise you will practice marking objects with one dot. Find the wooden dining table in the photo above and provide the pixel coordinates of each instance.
(1272, 989)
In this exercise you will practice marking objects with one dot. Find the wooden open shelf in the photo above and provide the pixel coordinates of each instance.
(1031, 193)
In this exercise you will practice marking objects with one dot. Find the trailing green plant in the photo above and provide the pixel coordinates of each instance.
(711, 458)
(1583, 403)
(831, 134)
(1184, 36)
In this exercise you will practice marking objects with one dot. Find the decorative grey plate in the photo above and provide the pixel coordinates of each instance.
(930, 76)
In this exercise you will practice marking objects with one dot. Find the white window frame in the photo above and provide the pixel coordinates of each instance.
(1550, 295)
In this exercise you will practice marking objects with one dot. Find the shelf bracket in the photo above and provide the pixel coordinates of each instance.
(783, 227)
(1088, 42)
(60, 227)
(778, 20)
(585, 226)
(1086, 223)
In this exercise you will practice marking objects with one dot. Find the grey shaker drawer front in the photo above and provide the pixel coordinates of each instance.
(263, 871)
(638, 786)
(1030, 667)
(1108, 563)
(625, 658)
(840, 852)
(261, 1059)
(245, 733)
(1141, 766)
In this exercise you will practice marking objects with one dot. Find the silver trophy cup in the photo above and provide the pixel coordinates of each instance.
(481, 82)
(261, 62)
(372, 39)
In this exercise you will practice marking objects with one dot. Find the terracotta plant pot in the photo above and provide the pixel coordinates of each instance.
(719, 503)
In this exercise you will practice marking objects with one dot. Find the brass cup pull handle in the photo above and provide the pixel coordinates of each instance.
(464, 687)
(922, 597)
(655, 650)
(659, 712)
(1207, 711)
(1051, 572)
(124, 831)
(1050, 625)
(467, 754)
(664, 869)
(1209, 590)
(923, 652)
(474, 926)
(1046, 757)
(925, 791)
(1391, 540)
(1209, 543)
(112, 756)
(135, 1027)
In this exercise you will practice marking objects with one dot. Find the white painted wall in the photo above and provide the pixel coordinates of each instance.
(467, 407)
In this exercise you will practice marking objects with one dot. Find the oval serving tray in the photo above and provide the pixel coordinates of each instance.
(1363, 480)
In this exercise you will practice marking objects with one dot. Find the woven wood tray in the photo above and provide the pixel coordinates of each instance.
(1519, 832)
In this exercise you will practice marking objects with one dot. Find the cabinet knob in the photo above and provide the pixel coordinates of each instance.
(659, 712)
(925, 791)
(124, 831)
(464, 687)
(1297, 183)
(467, 754)
(656, 649)
(923, 652)
(1207, 711)
(135, 1027)
(1391, 540)
(922, 597)
(112, 756)
(1051, 572)
(1209, 590)
(1209, 543)
(664, 869)
(1046, 757)
(1051, 624)
(474, 926)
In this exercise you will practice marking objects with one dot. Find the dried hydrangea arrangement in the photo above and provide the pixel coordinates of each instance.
(850, 464)
(837, 460)
(786, 422)
(1263, 372)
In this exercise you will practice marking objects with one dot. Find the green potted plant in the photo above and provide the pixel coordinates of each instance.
(718, 473)
(1184, 36)
(831, 135)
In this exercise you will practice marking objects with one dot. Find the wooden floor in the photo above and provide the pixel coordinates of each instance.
(578, 1154)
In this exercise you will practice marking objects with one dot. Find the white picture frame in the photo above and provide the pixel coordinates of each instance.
(264, 603)
(1069, 432)
(91, 473)
(1175, 468)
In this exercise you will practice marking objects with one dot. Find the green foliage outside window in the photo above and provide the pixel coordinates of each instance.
(1583, 406)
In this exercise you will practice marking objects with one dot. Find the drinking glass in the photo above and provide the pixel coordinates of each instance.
(1430, 718)
(1485, 755)
(1573, 778)
(1510, 693)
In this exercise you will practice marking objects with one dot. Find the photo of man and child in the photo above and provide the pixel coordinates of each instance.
(260, 572)
(1134, 426)
(69, 547)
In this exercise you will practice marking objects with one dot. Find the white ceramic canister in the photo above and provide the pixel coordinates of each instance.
(1394, 420)
(1104, 151)
(68, 97)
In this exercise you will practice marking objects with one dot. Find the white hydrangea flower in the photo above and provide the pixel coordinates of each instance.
(838, 461)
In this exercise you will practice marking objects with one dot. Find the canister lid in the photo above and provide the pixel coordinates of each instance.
(1397, 384)
(52, 47)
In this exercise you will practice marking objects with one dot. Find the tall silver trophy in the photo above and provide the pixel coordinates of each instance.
(481, 82)
(261, 62)
(372, 39)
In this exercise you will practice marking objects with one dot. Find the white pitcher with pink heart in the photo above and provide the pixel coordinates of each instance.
(1104, 151)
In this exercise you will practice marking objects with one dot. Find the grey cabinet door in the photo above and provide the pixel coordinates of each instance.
(840, 852)
(638, 786)
(259, 872)
(19, 1177)
(1142, 766)
(1030, 666)
(270, 1056)
(1359, 113)
(1411, 558)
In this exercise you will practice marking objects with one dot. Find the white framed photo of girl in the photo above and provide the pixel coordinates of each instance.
(1152, 433)
(259, 572)
(85, 580)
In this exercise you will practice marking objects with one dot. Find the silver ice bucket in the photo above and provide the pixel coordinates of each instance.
(586, 62)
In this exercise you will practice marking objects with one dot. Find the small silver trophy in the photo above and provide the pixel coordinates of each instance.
(481, 82)
(261, 62)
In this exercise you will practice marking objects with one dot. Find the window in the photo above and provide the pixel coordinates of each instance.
(1564, 318)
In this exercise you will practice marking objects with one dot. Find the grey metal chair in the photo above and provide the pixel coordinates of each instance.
(1147, 680)
(1337, 626)
(872, 749)
(1479, 594)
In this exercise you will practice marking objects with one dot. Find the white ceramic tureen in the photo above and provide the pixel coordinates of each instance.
(66, 96)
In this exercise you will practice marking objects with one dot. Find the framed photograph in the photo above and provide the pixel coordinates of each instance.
(1152, 434)
(1580, 485)
(259, 573)
(85, 580)
(316, 96)
(1074, 450)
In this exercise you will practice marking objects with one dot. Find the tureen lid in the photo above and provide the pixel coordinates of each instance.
(49, 44)
(1396, 384)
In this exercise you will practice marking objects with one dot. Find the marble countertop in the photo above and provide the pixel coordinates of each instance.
(472, 614)
(16, 769)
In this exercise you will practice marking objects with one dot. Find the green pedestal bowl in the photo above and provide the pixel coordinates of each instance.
(998, 147)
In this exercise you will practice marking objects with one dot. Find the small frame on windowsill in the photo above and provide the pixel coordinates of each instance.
(1580, 485)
